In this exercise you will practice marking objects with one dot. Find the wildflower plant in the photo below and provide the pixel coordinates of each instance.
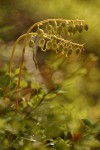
(49, 126)
(51, 34)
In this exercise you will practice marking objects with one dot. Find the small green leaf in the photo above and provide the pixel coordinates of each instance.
(96, 126)
(6, 80)
(16, 71)
(35, 85)
(51, 95)
(23, 83)
(87, 122)
(61, 145)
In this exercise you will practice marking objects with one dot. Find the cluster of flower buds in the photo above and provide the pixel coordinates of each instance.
(59, 45)
(50, 34)
(65, 27)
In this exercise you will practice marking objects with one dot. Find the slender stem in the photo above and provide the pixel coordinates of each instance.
(22, 61)
(19, 77)
(24, 46)
(13, 50)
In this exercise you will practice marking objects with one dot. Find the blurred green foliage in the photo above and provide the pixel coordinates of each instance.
(60, 120)
(54, 120)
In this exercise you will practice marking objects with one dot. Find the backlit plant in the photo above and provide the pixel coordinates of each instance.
(46, 120)
(51, 33)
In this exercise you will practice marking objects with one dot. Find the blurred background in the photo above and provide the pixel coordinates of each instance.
(82, 76)
(16, 16)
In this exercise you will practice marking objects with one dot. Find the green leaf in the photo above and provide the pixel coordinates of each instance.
(35, 85)
(23, 83)
(5, 81)
(16, 71)
(61, 145)
(96, 126)
(87, 122)
(50, 96)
